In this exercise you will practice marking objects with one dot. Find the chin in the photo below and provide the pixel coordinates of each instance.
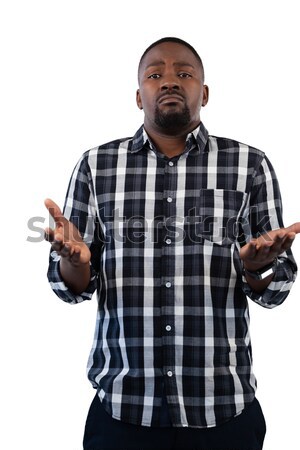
(173, 120)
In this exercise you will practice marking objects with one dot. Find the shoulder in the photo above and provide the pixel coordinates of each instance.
(106, 151)
(231, 145)
(252, 156)
(111, 150)
(111, 147)
(102, 156)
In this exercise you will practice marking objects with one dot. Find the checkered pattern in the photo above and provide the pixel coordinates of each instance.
(165, 236)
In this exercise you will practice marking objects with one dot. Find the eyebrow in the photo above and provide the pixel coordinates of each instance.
(162, 63)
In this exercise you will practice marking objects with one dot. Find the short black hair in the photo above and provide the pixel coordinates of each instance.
(177, 41)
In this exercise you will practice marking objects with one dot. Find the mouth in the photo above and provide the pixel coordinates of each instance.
(170, 99)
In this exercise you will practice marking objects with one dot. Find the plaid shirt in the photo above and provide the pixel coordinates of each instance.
(165, 236)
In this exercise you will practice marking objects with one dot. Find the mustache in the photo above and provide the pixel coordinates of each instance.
(170, 92)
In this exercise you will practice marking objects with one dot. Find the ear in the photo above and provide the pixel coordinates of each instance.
(139, 100)
(205, 95)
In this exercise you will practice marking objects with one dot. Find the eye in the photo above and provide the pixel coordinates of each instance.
(154, 76)
(184, 75)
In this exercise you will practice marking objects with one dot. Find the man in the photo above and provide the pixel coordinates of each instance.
(175, 229)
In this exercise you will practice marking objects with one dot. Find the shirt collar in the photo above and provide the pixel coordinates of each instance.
(196, 140)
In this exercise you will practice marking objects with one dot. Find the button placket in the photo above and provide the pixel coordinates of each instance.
(168, 271)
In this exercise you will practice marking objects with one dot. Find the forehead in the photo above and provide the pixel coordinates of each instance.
(169, 52)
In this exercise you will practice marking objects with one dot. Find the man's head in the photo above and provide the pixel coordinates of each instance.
(176, 41)
(171, 86)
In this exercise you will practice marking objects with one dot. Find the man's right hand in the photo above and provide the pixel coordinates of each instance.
(67, 242)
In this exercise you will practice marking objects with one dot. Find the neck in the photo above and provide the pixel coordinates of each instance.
(169, 145)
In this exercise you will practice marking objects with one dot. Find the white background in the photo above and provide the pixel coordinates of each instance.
(68, 83)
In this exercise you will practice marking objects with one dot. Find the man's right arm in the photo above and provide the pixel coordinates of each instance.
(74, 253)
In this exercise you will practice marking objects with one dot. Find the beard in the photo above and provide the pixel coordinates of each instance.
(173, 120)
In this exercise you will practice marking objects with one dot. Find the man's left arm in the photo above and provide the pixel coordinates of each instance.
(269, 250)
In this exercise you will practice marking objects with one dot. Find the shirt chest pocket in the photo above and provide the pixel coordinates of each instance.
(218, 215)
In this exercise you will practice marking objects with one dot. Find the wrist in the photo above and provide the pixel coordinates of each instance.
(261, 272)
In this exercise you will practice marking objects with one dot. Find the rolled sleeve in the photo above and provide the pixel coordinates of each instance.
(60, 288)
(280, 286)
(79, 209)
(265, 214)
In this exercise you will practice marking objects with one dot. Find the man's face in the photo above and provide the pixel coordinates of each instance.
(171, 90)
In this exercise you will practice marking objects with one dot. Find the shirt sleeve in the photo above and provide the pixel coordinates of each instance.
(79, 208)
(265, 214)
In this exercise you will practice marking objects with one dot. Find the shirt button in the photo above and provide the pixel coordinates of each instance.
(168, 284)
(169, 373)
(168, 241)
(168, 328)
(169, 199)
(171, 164)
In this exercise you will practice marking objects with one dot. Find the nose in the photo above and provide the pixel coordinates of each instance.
(170, 82)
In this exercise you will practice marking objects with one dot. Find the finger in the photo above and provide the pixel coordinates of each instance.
(276, 245)
(295, 228)
(271, 236)
(264, 253)
(288, 241)
(57, 245)
(66, 251)
(76, 255)
(48, 234)
(54, 210)
(281, 243)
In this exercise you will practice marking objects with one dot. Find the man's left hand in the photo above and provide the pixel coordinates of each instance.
(263, 250)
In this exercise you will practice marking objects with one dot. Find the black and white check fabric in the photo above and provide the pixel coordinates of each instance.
(165, 236)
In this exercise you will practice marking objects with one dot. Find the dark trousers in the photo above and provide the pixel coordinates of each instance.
(244, 432)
